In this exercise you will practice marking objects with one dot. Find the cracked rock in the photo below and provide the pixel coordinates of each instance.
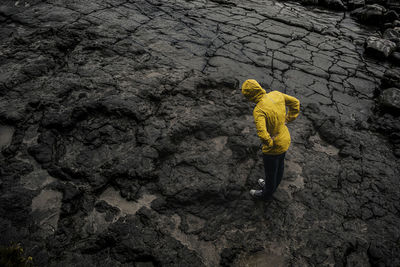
(125, 139)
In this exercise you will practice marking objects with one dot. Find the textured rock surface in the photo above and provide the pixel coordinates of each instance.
(126, 141)
(391, 98)
(370, 14)
(380, 47)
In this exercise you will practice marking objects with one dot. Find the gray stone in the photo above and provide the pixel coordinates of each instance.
(396, 23)
(395, 57)
(392, 34)
(354, 4)
(6, 134)
(391, 16)
(391, 78)
(378, 2)
(370, 14)
(393, 4)
(46, 210)
(309, 2)
(390, 98)
(379, 47)
(334, 4)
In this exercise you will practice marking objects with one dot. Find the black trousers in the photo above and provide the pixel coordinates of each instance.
(273, 167)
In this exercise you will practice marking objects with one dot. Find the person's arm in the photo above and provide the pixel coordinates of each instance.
(259, 119)
(294, 107)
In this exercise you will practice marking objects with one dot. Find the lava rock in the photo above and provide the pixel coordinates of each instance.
(391, 78)
(11, 111)
(334, 4)
(390, 99)
(103, 100)
(309, 2)
(391, 16)
(43, 151)
(395, 58)
(369, 14)
(354, 4)
(392, 35)
(379, 47)
(228, 256)
(393, 4)
(15, 205)
(396, 150)
(378, 2)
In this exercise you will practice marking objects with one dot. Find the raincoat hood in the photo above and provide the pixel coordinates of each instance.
(253, 91)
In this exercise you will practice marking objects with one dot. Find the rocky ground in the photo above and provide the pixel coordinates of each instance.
(126, 141)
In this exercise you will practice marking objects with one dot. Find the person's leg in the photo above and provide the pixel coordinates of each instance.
(271, 171)
(281, 167)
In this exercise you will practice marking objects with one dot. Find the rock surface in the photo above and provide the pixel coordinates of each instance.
(126, 141)
(370, 14)
(380, 47)
(390, 98)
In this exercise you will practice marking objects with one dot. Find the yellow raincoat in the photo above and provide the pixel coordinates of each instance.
(270, 116)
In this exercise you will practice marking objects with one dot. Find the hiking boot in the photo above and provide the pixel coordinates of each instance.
(261, 183)
(256, 193)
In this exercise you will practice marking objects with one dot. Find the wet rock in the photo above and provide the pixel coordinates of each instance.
(147, 148)
(393, 4)
(44, 151)
(6, 134)
(15, 205)
(395, 58)
(391, 16)
(391, 78)
(379, 47)
(354, 4)
(71, 198)
(378, 2)
(334, 4)
(392, 35)
(396, 150)
(357, 259)
(370, 14)
(46, 210)
(309, 2)
(142, 242)
(390, 99)
(11, 111)
(228, 256)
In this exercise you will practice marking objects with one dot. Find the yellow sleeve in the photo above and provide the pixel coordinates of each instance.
(294, 107)
(259, 119)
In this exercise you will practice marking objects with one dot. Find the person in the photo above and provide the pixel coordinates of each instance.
(270, 116)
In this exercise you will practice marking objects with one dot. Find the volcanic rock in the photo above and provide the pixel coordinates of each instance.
(391, 78)
(390, 98)
(333, 4)
(370, 14)
(379, 47)
(354, 4)
(393, 4)
(309, 2)
(390, 16)
(392, 35)
(395, 57)
(378, 2)
(125, 139)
